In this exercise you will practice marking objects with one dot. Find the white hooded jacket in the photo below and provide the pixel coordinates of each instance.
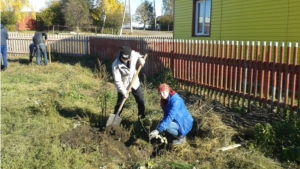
(124, 75)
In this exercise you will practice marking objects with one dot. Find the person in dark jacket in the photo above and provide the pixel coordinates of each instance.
(176, 121)
(4, 37)
(39, 42)
(32, 51)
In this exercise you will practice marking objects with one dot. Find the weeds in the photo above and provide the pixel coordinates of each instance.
(38, 105)
(101, 71)
(166, 76)
(282, 139)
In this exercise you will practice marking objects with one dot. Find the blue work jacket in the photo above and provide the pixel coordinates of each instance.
(176, 111)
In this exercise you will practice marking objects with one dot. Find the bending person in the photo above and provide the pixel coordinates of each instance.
(123, 70)
(32, 51)
(39, 42)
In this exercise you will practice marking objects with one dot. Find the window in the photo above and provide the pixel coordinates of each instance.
(201, 22)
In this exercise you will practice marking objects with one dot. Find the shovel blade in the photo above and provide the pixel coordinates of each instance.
(114, 120)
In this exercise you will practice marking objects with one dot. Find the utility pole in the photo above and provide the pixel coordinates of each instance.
(130, 18)
(154, 16)
(123, 18)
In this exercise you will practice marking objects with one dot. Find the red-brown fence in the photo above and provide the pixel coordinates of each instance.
(229, 71)
(233, 72)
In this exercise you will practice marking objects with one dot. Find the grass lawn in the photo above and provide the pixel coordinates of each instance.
(40, 104)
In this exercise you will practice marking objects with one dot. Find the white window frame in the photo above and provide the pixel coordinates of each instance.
(207, 18)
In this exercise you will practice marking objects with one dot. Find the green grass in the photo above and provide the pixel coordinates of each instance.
(38, 104)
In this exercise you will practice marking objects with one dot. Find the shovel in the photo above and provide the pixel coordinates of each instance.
(115, 119)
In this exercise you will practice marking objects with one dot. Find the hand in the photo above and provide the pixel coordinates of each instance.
(153, 134)
(126, 95)
(141, 61)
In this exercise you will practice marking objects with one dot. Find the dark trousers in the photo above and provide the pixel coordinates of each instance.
(139, 99)
(32, 52)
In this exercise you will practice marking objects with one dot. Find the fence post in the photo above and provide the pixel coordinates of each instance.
(49, 53)
(86, 45)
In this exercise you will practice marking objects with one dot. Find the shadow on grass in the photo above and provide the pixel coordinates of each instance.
(87, 61)
(22, 61)
(81, 114)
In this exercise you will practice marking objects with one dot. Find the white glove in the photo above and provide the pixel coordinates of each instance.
(153, 134)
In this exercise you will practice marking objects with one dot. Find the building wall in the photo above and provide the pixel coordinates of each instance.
(27, 23)
(255, 20)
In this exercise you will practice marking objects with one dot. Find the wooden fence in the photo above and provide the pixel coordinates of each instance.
(229, 71)
(75, 45)
(233, 72)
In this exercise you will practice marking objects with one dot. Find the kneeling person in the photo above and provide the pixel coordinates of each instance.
(176, 121)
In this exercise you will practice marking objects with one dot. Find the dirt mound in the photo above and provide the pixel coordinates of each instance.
(83, 137)
(117, 133)
(111, 143)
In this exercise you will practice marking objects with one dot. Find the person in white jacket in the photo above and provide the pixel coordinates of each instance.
(123, 70)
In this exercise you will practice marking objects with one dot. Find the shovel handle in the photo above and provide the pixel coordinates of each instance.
(131, 84)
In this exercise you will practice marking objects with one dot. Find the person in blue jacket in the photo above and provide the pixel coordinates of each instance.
(177, 121)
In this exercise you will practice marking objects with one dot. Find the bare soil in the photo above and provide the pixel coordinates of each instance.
(111, 142)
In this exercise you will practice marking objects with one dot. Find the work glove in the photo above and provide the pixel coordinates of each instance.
(153, 134)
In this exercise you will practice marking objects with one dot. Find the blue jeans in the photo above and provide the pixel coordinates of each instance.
(41, 48)
(4, 55)
(32, 52)
(173, 129)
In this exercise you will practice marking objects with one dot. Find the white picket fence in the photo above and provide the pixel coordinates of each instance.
(66, 44)
(73, 45)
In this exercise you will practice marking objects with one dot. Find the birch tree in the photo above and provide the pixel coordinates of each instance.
(168, 7)
(144, 13)
(112, 9)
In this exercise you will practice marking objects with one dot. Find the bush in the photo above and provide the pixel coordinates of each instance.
(11, 28)
(166, 76)
(282, 139)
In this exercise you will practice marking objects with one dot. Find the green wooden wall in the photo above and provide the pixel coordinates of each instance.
(243, 20)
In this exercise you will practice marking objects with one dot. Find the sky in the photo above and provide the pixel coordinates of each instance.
(39, 4)
(158, 4)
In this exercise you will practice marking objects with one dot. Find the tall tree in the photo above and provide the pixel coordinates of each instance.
(166, 21)
(112, 10)
(51, 15)
(11, 11)
(144, 13)
(77, 13)
(8, 18)
(95, 3)
(168, 7)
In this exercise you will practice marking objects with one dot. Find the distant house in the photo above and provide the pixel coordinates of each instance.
(238, 20)
(28, 23)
